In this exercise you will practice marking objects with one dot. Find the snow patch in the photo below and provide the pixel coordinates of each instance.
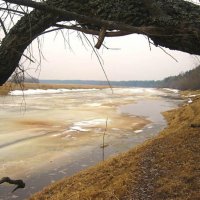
(91, 123)
(94, 104)
(172, 90)
(138, 131)
(78, 128)
(48, 91)
(190, 100)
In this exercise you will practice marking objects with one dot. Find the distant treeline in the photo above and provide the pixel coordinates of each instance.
(113, 83)
(184, 81)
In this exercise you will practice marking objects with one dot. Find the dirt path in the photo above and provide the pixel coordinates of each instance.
(169, 166)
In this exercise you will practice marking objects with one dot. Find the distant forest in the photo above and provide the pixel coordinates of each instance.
(113, 83)
(183, 81)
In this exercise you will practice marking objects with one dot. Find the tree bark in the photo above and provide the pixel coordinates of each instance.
(175, 25)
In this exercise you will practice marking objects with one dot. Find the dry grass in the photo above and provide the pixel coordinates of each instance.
(4, 90)
(166, 167)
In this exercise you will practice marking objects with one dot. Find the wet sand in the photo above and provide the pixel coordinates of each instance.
(60, 134)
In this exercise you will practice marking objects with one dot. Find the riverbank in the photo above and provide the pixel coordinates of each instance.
(166, 167)
(7, 87)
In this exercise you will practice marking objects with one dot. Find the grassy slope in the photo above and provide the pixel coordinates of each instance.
(166, 167)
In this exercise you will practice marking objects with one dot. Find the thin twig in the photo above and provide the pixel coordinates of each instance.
(96, 53)
(13, 10)
(164, 51)
(103, 145)
(4, 28)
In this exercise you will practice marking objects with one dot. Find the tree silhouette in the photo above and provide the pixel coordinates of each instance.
(175, 25)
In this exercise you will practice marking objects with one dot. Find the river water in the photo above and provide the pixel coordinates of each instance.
(46, 135)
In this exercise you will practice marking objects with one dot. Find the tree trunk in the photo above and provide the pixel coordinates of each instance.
(175, 25)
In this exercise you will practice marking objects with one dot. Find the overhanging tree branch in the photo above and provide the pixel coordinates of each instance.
(74, 16)
(173, 25)
(13, 10)
(3, 27)
(113, 25)
(93, 32)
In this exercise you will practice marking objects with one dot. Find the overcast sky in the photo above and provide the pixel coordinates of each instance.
(132, 61)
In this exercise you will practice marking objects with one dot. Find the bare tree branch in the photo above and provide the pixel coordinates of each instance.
(4, 28)
(172, 26)
(13, 10)
(18, 183)
(146, 30)
(102, 35)
(94, 32)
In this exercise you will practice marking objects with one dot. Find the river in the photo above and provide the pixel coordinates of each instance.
(46, 135)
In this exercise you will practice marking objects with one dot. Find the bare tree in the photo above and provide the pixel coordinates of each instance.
(175, 25)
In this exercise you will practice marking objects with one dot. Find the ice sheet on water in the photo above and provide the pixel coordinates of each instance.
(48, 91)
(56, 135)
(129, 90)
(36, 91)
(115, 129)
(190, 100)
(135, 91)
(78, 128)
(172, 90)
(138, 131)
(94, 104)
(91, 123)
(14, 196)
(83, 126)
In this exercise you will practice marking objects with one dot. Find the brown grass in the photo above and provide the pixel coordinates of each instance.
(166, 167)
(4, 90)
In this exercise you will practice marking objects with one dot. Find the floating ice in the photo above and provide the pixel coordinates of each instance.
(84, 165)
(48, 91)
(78, 128)
(70, 130)
(190, 100)
(91, 123)
(192, 95)
(62, 172)
(138, 131)
(14, 196)
(94, 104)
(115, 129)
(172, 90)
(37, 91)
(56, 135)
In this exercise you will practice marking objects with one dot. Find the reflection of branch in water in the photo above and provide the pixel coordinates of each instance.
(19, 183)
